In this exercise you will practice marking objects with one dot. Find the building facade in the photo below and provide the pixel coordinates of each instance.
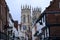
(10, 28)
(51, 30)
(4, 14)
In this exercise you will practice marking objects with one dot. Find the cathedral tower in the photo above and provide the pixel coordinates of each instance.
(35, 14)
(26, 17)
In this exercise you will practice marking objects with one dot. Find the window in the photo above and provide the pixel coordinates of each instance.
(9, 33)
(34, 19)
(59, 4)
(47, 32)
(28, 28)
(28, 18)
(24, 19)
(24, 27)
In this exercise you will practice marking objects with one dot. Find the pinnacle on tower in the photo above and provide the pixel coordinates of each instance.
(36, 9)
(25, 7)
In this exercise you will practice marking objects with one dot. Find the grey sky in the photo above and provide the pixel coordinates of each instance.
(15, 6)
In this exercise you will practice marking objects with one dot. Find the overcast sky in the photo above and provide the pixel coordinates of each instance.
(15, 6)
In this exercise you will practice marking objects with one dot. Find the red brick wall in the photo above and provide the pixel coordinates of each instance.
(3, 12)
(55, 31)
(53, 18)
(58, 18)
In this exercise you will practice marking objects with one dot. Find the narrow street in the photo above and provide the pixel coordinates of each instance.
(29, 19)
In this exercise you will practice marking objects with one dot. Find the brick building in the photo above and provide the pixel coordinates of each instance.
(4, 12)
(51, 30)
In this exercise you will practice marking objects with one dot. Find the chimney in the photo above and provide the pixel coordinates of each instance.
(16, 24)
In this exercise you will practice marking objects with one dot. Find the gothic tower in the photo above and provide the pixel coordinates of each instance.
(26, 17)
(35, 14)
(26, 20)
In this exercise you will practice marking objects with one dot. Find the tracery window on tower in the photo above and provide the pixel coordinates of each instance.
(24, 18)
(28, 18)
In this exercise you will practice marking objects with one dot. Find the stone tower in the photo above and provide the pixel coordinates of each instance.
(26, 21)
(35, 14)
(26, 17)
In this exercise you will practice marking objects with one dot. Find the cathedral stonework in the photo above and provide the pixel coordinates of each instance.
(27, 17)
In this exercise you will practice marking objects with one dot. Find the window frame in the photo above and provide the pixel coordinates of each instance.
(28, 18)
(24, 19)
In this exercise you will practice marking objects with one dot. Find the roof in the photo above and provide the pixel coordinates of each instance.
(42, 15)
